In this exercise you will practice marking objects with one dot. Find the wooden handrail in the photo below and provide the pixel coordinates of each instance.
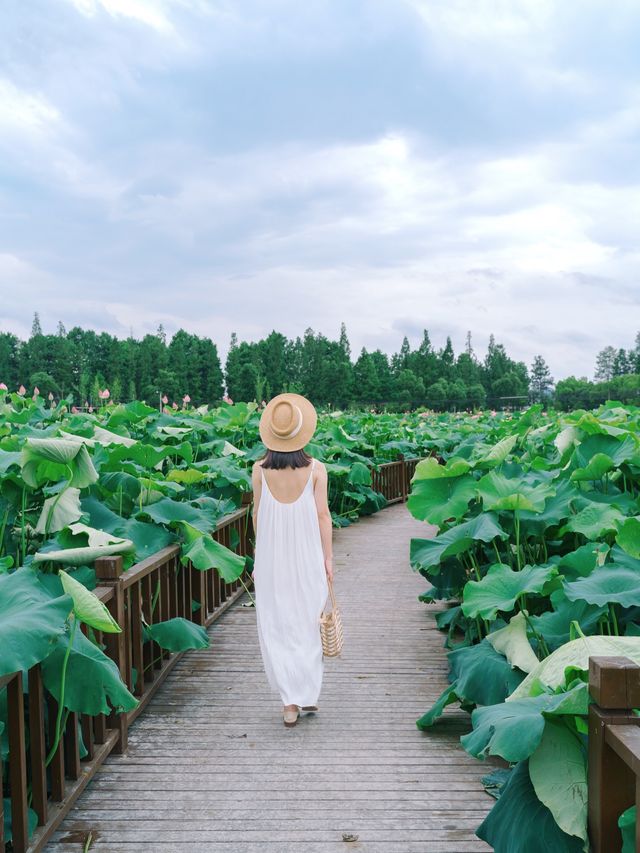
(614, 749)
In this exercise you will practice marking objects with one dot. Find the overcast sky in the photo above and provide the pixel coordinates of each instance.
(243, 165)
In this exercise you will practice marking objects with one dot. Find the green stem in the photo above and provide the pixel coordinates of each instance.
(614, 618)
(517, 524)
(495, 547)
(59, 726)
(253, 601)
(23, 535)
(2, 529)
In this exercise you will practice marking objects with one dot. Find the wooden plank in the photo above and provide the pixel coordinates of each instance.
(211, 767)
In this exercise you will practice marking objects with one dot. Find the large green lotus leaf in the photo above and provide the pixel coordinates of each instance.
(32, 820)
(594, 521)
(484, 676)
(83, 545)
(593, 425)
(498, 453)
(188, 476)
(513, 643)
(555, 625)
(359, 474)
(205, 553)
(514, 730)
(100, 516)
(120, 483)
(617, 449)
(447, 579)
(480, 676)
(598, 466)
(147, 456)
(58, 511)
(167, 511)
(500, 493)
(566, 439)
(9, 458)
(178, 635)
(582, 561)
(92, 682)
(87, 607)
(558, 774)
(56, 459)
(30, 620)
(429, 552)
(520, 823)
(556, 509)
(437, 494)
(628, 537)
(447, 697)
(608, 584)
(551, 671)
(147, 538)
(501, 587)
(226, 468)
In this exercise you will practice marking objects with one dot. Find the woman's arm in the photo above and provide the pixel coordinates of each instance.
(256, 481)
(324, 518)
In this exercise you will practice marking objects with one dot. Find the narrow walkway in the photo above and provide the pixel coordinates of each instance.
(211, 768)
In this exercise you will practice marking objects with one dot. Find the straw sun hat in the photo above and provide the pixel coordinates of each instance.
(287, 422)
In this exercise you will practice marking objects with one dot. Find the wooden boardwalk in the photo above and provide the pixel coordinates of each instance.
(210, 766)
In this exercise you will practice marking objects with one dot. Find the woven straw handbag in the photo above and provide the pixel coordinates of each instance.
(331, 628)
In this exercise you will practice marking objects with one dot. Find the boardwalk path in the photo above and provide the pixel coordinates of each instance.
(211, 767)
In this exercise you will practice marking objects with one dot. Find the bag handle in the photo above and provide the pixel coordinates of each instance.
(333, 598)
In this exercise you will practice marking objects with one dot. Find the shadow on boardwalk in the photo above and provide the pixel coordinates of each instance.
(210, 766)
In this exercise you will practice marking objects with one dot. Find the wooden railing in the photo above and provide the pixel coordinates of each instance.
(614, 749)
(154, 590)
(392, 479)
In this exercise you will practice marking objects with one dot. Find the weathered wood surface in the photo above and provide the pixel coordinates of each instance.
(210, 766)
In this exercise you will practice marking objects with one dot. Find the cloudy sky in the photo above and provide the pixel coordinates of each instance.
(244, 165)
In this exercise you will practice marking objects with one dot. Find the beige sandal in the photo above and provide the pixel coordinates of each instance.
(290, 716)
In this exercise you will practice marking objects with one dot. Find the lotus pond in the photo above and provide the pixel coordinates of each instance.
(538, 542)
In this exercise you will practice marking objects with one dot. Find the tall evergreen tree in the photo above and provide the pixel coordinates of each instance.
(604, 364)
(541, 379)
(36, 328)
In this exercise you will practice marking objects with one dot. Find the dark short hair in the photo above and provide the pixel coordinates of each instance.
(286, 459)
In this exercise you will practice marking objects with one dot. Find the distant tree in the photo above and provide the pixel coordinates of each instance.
(447, 360)
(62, 332)
(457, 394)
(476, 395)
(437, 395)
(365, 375)
(400, 360)
(161, 334)
(45, 383)
(622, 363)
(604, 364)
(36, 328)
(344, 341)
(407, 390)
(541, 379)
(468, 347)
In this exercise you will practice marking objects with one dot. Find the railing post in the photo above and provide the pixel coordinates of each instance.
(614, 685)
(108, 573)
(17, 764)
(404, 477)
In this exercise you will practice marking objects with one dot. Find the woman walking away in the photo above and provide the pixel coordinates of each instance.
(293, 558)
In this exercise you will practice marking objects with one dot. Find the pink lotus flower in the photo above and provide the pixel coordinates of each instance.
(165, 399)
(104, 395)
(228, 399)
(74, 410)
(36, 391)
(166, 410)
(3, 387)
(174, 405)
(90, 408)
(22, 390)
(186, 399)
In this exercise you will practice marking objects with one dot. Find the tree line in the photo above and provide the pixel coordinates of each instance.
(82, 363)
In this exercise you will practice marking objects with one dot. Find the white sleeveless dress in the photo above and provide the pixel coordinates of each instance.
(291, 591)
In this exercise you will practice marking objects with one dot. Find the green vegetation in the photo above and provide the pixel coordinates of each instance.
(538, 539)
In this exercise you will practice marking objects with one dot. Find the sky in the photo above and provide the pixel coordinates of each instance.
(245, 165)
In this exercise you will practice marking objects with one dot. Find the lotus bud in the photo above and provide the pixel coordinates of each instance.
(3, 387)
(174, 405)
(36, 391)
(74, 410)
(22, 390)
(50, 396)
(186, 399)
(165, 399)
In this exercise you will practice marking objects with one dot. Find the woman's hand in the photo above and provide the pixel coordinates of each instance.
(328, 567)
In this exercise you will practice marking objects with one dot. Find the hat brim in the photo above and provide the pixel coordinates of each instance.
(302, 438)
